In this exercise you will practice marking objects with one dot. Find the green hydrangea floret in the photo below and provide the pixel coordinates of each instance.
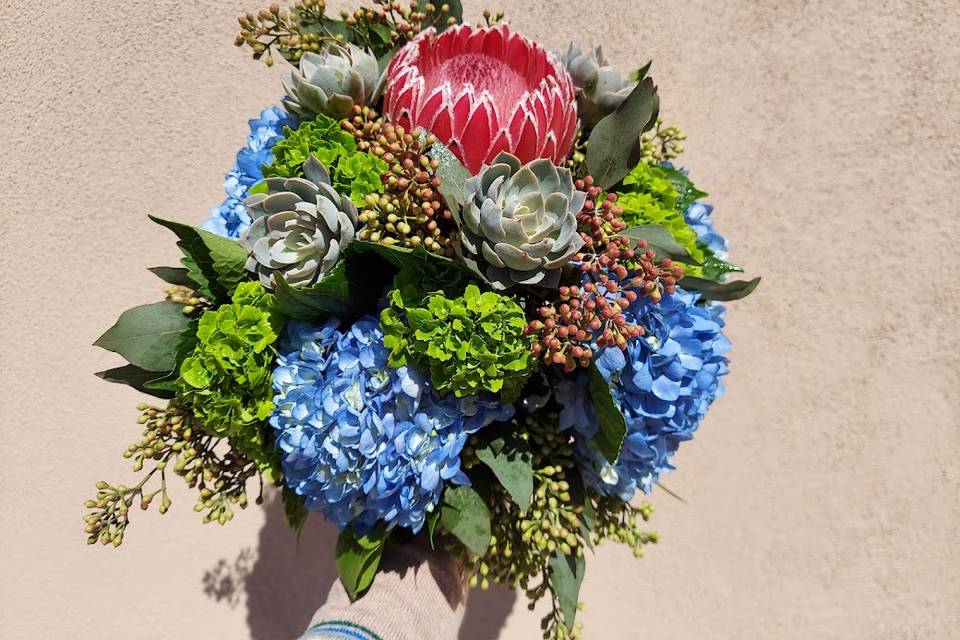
(352, 172)
(226, 380)
(470, 344)
(649, 197)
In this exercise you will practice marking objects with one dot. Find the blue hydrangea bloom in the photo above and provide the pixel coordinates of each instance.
(361, 441)
(698, 216)
(230, 218)
(667, 381)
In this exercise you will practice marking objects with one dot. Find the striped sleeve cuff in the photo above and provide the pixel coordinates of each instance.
(339, 630)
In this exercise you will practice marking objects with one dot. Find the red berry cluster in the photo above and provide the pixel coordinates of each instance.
(615, 271)
(601, 219)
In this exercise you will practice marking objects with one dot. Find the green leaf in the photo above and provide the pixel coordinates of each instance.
(148, 336)
(641, 73)
(329, 297)
(383, 32)
(169, 383)
(137, 378)
(465, 515)
(452, 176)
(713, 267)
(294, 509)
(173, 275)
(331, 26)
(566, 576)
(260, 187)
(612, 426)
(358, 558)
(399, 257)
(661, 241)
(614, 145)
(579, 496)
(511, 462)
(432, 519)
(214, 263)
(384, 62)
(719, 291)
(687, 192)
(418, 271)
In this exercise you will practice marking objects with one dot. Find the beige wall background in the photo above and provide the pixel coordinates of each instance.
(821, 495)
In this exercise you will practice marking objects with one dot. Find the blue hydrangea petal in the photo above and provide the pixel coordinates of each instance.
(363, 442)
(669, 379)
(230, 219)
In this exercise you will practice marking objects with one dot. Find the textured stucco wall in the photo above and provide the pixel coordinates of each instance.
(822, 493)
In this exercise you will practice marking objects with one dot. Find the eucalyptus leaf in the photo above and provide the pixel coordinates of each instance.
(186, 345)
(148, 336)
(358, 558)
(464, 514)
(719, 291)
(579, 497)
(294, 509)
(511, 462)
(661, 241)
(612, 429)
(137, 378)
(174, 275)
(642, 72)
(614, 145)
(566, 576)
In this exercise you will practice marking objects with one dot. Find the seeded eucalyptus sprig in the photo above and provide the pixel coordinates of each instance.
(618, 521)
(172, 440)
(661, 143)
(411, 211)
(529, 546)
(191, 301)
(490, 18)
(379, 28)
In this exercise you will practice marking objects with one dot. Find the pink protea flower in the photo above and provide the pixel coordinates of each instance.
(483, 91)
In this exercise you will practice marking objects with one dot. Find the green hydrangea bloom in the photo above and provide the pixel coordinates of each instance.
(227, 378)
(649, 197)
(353, 172)
(470, 344)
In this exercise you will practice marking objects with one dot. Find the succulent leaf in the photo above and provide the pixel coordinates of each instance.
(518, 225)
(299, 228)
(600, 87)
(331, 81)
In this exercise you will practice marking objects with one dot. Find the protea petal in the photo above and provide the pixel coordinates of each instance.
(483, 92)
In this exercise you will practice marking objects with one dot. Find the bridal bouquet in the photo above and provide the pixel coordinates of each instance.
(458, 289)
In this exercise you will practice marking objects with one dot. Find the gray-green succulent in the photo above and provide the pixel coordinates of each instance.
(331, 81)
(600, 88)
(518, 225)
(299, 228)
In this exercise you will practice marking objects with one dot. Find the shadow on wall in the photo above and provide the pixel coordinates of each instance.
(285, 583)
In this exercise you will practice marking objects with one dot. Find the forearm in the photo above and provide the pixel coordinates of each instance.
(418, 595)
